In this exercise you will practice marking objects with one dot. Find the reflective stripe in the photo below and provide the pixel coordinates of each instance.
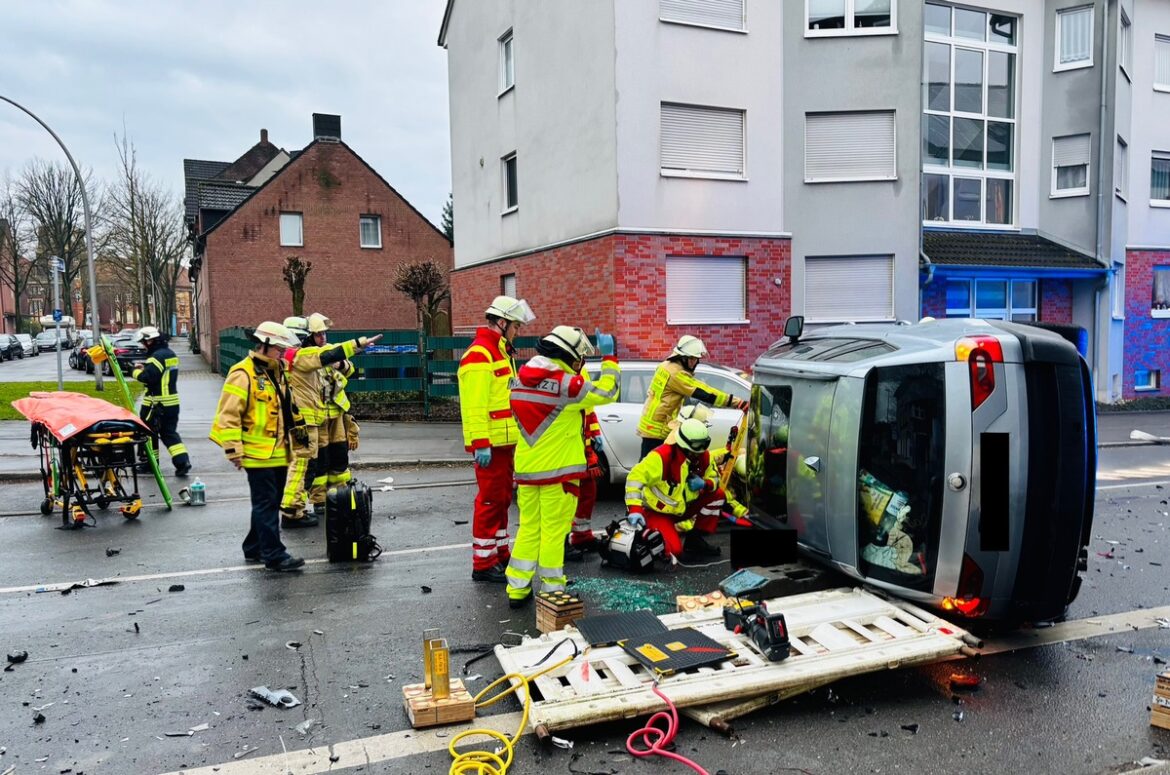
(542, 476)
(669, 501)
(483, 552)
(501, 534)
(236, 391)
(177, 449)
(522, 566)
(230, 434)
(551, 573)
(552, 587)
(538, 398)
(483, 541)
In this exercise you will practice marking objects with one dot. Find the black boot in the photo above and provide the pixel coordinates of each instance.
(695, 547)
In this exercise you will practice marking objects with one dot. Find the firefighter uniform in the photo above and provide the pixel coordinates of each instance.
(581, 537)
(550, 400)
(485, 371)
(332, 465)
(657, 490)
(160, 405)
(672, 384)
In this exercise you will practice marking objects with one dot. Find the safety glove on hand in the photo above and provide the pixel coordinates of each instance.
(636, 520)
(483, 457)
(695, 483)
(597, 444)
(739, 404)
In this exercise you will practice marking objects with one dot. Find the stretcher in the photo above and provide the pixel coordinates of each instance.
(89, 452)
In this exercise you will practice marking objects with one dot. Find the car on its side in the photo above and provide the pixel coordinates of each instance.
(30, 347)
(621, 444)
(47, 341)
(10, 347)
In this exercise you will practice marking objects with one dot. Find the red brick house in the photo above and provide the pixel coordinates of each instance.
(323, 204)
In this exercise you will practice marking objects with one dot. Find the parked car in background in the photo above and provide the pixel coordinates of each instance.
(30, 347)
(10, 347)
(950, 462)
(621, 444)
(47, 341)
(126, 350)
(79, 358)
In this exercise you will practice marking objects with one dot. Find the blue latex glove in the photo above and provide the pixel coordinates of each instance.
(637, 521)
(483, 457)
(597, 444)
(605, 342)
(695, 483)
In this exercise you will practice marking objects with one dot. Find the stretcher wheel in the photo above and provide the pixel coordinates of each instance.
(103, 503)
(47, 506)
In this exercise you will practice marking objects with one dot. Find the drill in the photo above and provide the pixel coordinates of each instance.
(767, 630)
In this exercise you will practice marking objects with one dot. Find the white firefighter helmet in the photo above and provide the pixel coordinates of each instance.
(693, 436)
(515, 310)
(741, 464)
(572, 341)
(272, 333)
(318, 323)
(696, 411)
(298, 325)
(146, 333)
(690, 347)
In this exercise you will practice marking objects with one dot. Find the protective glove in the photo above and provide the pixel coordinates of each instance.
(636, 520)
(597, 444)
(605, 342)
(740, 404)
(483, 457)
(695, 483)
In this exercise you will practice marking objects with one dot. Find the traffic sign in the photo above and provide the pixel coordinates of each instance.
(57, 264)
(56, 316)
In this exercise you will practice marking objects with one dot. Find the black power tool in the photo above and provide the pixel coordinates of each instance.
(767, 630)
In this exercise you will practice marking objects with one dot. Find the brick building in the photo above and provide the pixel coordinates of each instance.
(323, 204)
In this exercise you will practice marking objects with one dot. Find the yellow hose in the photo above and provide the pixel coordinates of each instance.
(481, 762)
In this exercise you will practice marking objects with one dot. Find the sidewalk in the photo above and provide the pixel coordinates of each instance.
(391, 444)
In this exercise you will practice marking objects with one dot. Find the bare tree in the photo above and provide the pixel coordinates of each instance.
(19, 267)
(425, 282)
(295, 273)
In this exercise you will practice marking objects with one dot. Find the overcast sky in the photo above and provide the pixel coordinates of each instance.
(199, 79)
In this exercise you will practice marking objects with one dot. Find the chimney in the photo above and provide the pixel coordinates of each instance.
(327, 127)
(263, 135)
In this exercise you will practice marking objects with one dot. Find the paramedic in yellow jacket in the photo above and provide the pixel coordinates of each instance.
(550, 398)
(305, 364)
(485, 374)
(674, 381)
(254, 424)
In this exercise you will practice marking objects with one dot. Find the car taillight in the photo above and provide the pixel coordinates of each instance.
(980, 353)
(121, 351)
(967, 599)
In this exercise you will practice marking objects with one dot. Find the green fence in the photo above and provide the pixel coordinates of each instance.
(394, 366)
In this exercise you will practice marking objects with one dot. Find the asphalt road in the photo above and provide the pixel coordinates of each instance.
(41, 368)
(114, 669)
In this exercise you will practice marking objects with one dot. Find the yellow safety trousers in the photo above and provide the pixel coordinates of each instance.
(546, 515)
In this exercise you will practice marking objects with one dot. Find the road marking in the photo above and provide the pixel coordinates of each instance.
(1158, 483)
(58, 586)
(412, 742)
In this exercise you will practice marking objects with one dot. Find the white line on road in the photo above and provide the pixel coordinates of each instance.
(412, 742)
(1159, 483)
(58, 586)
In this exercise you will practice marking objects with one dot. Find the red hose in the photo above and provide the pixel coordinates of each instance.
(655, 739)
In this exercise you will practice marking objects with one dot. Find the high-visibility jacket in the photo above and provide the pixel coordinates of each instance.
(255, 412)
(549, 401)
(160, 374)
(659, 483)
(485, 373)
(304, 375)
(333, 383)
(672, 384)
(735, 485)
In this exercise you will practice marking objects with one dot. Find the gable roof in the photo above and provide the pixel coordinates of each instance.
(252, 161)
(194, 171)
(221, 195)
(962, 247)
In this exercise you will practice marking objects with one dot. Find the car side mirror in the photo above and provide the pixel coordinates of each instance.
(794, 327)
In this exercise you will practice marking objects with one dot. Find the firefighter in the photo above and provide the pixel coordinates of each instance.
(581, 537)
(332, 466)
(256, 424)
(489, 432)
(674, 381)
(160, 406)
(550, 398)
(675, 490)
(304, 364)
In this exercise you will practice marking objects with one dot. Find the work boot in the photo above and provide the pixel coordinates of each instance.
(576, 552)
(696, 547)
(290, 520)
(492, 575)
(319, 510)
(519, 602)
(287, 564)
(183, 470)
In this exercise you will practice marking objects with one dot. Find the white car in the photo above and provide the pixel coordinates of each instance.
(622, 446)
(30, 347)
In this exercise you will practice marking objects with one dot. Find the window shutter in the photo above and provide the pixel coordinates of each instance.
(703, 140)
(849, 146)
(1071, 151)
(849, 288)
(706, 289)
(1162, 61)
(508, 285)
(1076, 35)
(710, 13)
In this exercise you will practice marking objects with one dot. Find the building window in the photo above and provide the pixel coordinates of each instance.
(1117, 287)
(992, 299)
(1074, 38)
(1070, 165)
(1160, 179)
(291, 230)
(706, 289)
(507, 67)
(702, 142)
(850, 17)
(720, 14)
(969, 120)
(511, 194)
(1121, 168)
(848, 288)
(1147, 379)
(849, 146)
(508, 285)
(1125, 45)
(1162, 62)
(1160, 296)
(370, 231)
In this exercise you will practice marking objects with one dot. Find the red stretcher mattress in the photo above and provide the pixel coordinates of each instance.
(68, 414)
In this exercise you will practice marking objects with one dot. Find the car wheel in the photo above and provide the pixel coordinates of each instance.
(88, 367)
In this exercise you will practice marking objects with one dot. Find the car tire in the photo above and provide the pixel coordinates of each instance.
(88, 366)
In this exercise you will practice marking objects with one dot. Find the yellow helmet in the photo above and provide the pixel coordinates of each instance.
(275, 334)
(741, 464)
(696, 411)
(693, 436)
(298, 325)
(318, 323)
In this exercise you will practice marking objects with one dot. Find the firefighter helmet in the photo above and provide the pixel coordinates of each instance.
(507, 308)
(318, 323)
(690, 347)
(572, 343)
(275, 334)
(146, 333)
(298, 325)
(693, 436)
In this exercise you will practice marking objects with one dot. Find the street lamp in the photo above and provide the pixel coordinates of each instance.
(93, 302)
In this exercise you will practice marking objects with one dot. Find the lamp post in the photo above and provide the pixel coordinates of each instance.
(93, 302)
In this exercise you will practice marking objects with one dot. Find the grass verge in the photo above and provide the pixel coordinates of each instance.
(11, 391)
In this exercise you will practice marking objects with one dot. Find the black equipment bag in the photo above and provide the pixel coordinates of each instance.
(348, 509)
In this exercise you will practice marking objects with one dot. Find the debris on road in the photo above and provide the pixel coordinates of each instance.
(304, 727)
(281, 698)
(293, 644)
(425, 589)
(16, 657)
(247, 749)
(66, 587)
(201, 728)
(318, 632)
(961, 682)
(176, 588)
(38, 718)
(911, 728)
(113, 551)
(561, 742)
